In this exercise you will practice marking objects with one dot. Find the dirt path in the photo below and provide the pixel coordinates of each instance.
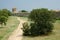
(17, 34)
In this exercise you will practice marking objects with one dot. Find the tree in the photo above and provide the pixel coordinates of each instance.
(42, 22)
(4, 14)
(7, 12)
(3, 20)
(23, 11)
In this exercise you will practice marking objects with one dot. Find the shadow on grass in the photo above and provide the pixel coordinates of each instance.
(2, 27)
(42, 35)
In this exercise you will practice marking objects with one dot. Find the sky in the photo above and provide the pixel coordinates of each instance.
(30, 4)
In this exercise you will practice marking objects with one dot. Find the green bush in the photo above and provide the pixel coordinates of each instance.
(26, 29)
(43, 22)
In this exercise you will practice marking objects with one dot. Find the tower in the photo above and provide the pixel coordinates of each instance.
(14, 10)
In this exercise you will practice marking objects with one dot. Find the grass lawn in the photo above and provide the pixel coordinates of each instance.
(5, 31)
(24, 18)
(54, 36)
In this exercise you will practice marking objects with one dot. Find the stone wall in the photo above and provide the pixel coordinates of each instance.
(22, 14)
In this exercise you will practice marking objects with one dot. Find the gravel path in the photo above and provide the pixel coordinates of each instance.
(17, 34)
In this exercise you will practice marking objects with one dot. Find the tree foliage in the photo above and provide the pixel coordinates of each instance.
(43, 22)
(23, 11)
(4, 14)
(6, 11)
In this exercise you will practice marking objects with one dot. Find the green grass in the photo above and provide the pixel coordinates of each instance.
(5, 31)
(24, 18)
(54, 36)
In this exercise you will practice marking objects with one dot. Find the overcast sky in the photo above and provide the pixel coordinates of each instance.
(30, 4)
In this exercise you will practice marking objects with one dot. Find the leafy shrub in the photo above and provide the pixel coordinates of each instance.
(26, 28)
(43, 22)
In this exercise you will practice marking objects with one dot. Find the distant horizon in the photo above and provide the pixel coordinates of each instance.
(32, 9)
(30, 4)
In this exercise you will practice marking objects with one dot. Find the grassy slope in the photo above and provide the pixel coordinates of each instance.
(5, 31)
(54, 36)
